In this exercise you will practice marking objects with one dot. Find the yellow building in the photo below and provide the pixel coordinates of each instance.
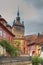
(23, 48)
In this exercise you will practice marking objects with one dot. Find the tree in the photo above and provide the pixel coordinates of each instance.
(12, 50)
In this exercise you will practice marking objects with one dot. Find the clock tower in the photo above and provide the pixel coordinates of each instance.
(18, 27)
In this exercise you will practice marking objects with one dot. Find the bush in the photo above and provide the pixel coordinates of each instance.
(12, 50)
(35, 60)
(41, 61)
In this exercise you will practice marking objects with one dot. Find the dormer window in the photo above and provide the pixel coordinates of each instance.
(4, 24)
(4, 34)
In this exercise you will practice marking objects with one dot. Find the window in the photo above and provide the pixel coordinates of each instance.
(4, 34)
(0, 32)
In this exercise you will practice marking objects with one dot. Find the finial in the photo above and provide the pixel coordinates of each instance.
(38, 34)
(18, 17)
(0, 16)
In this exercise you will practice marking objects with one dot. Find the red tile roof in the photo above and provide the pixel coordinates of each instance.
(38, 40)
(3, 20)
(8, 26)
(7, 29)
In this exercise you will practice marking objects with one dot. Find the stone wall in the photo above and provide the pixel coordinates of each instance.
(15, 61)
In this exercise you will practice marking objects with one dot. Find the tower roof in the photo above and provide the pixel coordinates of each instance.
(18, 17)
(17, 21)
(18, 12)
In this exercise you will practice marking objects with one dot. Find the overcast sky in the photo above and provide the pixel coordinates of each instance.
(31, 12)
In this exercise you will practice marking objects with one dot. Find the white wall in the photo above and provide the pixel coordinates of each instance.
(41, 54)
(2, 50)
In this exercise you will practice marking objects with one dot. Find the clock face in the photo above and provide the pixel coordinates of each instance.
(18, 28)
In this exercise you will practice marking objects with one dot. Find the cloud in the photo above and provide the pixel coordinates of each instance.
(34, 28)
(8, 9)
(36, 3)
(31, 11)
(27, 11)
(35, 23)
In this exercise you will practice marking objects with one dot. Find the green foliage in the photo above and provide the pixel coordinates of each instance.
(17, 42)
(12, 50)
(41, 61)
(35, 60)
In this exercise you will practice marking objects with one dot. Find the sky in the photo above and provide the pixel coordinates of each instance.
(31, 12)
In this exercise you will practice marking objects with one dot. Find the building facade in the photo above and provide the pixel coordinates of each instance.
(35, 47)
(5, 31)
(22, 46)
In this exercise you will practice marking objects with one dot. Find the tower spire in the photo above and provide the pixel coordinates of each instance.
(18, 12)
(18, 17)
